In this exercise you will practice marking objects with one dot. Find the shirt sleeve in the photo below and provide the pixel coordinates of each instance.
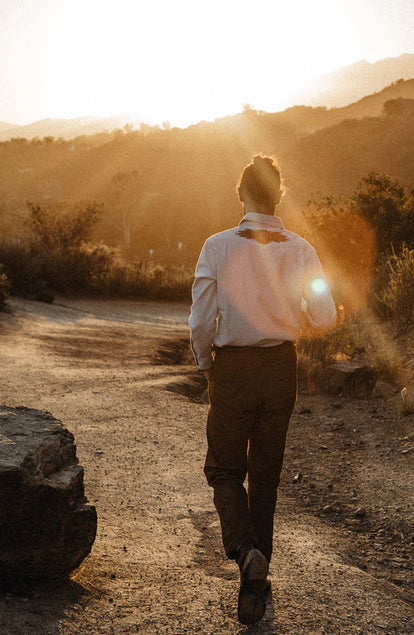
(317, 301)
(204, 310)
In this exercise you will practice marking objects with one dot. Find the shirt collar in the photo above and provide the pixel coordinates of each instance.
(262, 220)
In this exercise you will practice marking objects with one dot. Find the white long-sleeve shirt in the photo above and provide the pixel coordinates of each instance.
(251, 283)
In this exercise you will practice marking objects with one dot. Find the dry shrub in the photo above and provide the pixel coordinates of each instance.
(315, 351)
(94, 270)
(396, 301)
(60, 227)
(21, 264)
(359, 335)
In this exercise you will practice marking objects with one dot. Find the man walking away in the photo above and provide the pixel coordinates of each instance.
(251, 284)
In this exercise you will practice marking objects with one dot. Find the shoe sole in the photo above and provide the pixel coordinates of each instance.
(252, 595)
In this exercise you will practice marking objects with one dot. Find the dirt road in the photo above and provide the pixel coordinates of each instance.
(119, 376)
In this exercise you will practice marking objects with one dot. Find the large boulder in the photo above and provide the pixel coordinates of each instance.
(46, 527)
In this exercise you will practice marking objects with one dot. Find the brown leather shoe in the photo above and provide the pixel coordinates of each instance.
(253, 584)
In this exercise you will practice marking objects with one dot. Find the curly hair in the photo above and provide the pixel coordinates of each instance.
(261, 180)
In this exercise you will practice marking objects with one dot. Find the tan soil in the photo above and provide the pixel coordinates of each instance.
(119, 376)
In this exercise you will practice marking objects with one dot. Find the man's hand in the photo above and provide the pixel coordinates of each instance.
(208, 373)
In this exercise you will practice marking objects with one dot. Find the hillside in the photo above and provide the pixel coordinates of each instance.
(333, 159)
(187, 177)
(308, 119)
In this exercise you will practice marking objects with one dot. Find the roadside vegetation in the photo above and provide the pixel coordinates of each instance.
(58, 256)
(366, 243)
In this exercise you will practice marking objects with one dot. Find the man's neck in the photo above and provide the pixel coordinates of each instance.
(253, 207)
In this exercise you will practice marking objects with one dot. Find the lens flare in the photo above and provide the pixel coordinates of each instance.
(319, 286)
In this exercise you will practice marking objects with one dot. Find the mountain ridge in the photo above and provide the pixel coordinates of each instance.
(390, 78)
(349, 84)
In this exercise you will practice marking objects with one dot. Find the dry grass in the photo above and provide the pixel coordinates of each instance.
(361, 334)
(397, 299)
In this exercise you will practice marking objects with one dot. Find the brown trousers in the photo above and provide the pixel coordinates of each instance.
(252, 394)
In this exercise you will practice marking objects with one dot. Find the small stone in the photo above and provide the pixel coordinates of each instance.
(361, 512)
(328, 509)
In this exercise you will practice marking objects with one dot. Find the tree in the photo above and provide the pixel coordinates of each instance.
(389, 208)
(128, 207)
(345, 243)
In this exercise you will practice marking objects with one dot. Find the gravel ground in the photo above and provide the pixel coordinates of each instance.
(119, 376)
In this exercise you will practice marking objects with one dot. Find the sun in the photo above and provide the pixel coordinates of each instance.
(183, 61)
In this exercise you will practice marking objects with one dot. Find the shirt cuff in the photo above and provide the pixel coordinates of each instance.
(207, 366)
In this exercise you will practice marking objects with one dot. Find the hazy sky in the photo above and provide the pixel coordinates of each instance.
(182, 60)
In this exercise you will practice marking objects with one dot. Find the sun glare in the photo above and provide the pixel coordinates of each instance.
(319, 286)
(181, 61)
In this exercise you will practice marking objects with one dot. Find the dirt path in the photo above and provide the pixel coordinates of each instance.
(344, 532)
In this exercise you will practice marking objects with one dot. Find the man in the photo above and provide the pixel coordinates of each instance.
(251, 284)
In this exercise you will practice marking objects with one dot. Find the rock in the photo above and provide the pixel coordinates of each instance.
(361, 512)
(45, 296)
(46, 526)
(352, 378)
(328, 509)
(383, 390)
